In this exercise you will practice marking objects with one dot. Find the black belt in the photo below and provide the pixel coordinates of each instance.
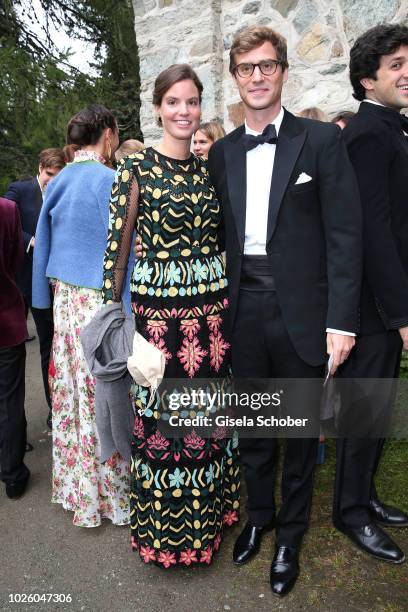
(257, 273)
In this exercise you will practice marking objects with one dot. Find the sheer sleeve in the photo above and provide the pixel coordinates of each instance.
(123, 210)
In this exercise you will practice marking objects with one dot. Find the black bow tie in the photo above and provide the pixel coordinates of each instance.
(268, 136)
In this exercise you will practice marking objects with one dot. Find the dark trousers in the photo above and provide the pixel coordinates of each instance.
(261, 348)
(45, 330)
(373, 358)
(13, 424)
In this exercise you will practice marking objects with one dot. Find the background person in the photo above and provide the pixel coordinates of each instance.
(127, 147)
(205, 136)
(70, 243)
(342, 118)
(13, 332)
(378, 151)
(313, 112)
(28, 195)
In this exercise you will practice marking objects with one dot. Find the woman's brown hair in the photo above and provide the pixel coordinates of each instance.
(172, 75)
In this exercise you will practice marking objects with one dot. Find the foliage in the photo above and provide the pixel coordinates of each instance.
(41, 91)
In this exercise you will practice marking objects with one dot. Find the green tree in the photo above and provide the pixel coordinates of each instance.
(41, 91)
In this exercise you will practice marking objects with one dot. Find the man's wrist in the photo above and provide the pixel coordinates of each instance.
(329, 330)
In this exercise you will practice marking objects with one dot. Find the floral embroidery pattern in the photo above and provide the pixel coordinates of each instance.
(189, 327)
(218, 348)
(214, 322)
(191, 355)
(160, 344)
(156, 329)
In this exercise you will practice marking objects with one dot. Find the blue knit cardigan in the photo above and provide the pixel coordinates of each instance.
(71, 235)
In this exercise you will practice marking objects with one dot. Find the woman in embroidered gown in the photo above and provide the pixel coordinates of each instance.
(69, 248)
(183, 490)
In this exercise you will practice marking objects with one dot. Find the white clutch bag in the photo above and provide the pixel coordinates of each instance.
(146, 365)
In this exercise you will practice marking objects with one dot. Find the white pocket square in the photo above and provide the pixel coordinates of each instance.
(303, 178)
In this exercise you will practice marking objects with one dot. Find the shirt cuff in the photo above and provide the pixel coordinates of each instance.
(30, 244)
(339, 331)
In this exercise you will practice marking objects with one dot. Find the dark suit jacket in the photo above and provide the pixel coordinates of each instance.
(27, 194)
(313, 229)
(378, 151)
(13, 327)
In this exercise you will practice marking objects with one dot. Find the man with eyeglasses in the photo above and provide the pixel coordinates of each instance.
(292, 225)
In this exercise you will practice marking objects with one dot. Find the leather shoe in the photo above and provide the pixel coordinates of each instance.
(16, 489)
(248, 543)
(49, 420)
(387, 516)
(284, 570)
(374, 541)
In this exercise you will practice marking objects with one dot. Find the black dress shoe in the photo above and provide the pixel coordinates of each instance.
(30, 338)
(284, 570)
(29, 447)
(387, 516)
(16, 489)
(374, 541)
(49, 420)
(248, 542)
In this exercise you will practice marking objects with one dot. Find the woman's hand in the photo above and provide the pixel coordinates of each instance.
(138, 247)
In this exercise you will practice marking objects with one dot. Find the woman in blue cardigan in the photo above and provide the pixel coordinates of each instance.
(69, 247)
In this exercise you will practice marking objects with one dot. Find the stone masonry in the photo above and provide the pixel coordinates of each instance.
(199, 32)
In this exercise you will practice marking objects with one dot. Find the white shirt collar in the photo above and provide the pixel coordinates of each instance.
(39, 184)
(277, 122)
(374, 102)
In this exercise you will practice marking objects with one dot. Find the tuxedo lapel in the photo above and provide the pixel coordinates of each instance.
(288, 148)
(38, 196)
(235, 163)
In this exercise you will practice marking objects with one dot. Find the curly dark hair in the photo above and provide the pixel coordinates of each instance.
(368, 49)
(86, 127)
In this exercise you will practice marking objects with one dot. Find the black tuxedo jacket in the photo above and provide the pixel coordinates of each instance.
(378, 151)
(28, 197)
(313, 229)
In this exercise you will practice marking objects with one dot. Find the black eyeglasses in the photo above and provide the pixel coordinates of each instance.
(267, 67)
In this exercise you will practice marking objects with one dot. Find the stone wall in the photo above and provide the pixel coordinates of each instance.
(319, 35)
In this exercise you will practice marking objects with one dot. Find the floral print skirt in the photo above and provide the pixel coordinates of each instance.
(79, 481)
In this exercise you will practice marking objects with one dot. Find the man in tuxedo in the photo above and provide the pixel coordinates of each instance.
(292, 227)
(28, 195)
(376, 139)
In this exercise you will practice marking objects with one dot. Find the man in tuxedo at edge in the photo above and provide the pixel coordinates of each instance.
(28, 195)
(292, 224)
(378, 150)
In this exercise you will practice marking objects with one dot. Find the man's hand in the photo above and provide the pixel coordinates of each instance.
(403, 331)
(340, 346)
(138, 247)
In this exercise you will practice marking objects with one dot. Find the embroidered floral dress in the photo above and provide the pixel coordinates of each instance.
(80, 482)
(185, 489)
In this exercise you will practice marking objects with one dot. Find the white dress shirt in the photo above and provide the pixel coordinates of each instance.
(260, 162)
